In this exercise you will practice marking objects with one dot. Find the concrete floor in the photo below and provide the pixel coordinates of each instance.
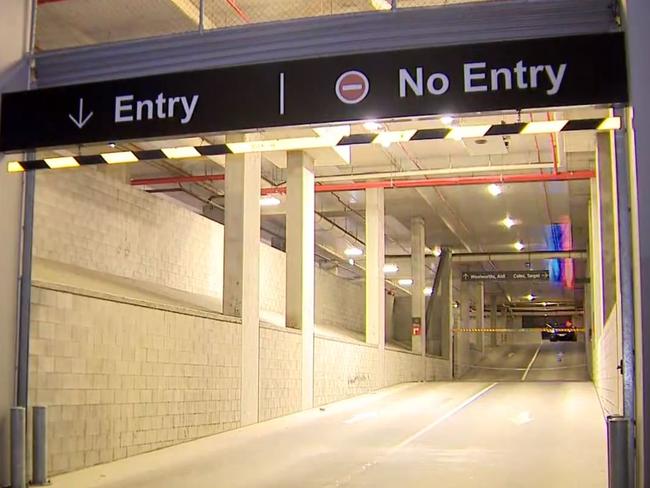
(544, 361)
(467, 434)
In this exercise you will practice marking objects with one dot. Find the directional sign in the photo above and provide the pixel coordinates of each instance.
(81, 119)
(526, 275)
(578, 70)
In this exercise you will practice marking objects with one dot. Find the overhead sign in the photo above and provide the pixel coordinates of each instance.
(509, 75)
(526, 275)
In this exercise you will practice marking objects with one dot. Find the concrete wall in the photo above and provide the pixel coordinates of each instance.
(339, 302)
(605, 283)
(89, 218)
(14, 75)
(343, 369)
(606, 376)
(123, 374)
(280, 370)
(120, 378)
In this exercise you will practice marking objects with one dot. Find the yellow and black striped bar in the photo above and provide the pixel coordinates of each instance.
(531, 329)
(455, 132)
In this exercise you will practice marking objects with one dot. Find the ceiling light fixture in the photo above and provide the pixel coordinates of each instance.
(427, 291)
(269, 201)
(283, 144)
(446, 119)
(372, 126)
(387, 138)
(353, 251)
(437, 251)
(519, 245)
(495, 190)
(391, 268)
(381, 4)
(508, 222)
(119, 157)
(405, 282)
(530, 297)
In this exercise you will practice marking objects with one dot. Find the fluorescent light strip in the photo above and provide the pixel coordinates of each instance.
(467, 131)
(387, 138)
(544, 127)
(14, 167)
(63, 162)
(381, 4)
(181, 152)
(610, 123)
(119, 157)
(282, 144)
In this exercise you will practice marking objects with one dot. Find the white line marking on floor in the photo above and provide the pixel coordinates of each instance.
(361, 416)
(440, 420)
(530, 365)
(347, 479)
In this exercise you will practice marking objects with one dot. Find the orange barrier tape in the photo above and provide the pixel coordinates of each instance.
(532, 329)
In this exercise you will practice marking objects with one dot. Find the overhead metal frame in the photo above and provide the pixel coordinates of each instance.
(308, 38)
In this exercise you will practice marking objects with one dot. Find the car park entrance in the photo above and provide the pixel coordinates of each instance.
(436, 214)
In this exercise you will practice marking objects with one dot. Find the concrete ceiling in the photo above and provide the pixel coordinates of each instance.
(67, 23)
(463, 218)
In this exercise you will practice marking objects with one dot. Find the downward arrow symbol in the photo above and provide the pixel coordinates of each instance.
(80, 121)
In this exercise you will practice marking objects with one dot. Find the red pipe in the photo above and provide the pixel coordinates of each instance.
(553, 146)
(392, 184)
(240, 12)
(448, 181)
(177, 179)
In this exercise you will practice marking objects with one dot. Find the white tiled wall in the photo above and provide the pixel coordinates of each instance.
(88, 219)
(607, 377)
(339, 302)
(343, 369)
(121, 376)
(121, 379)
(280, 372)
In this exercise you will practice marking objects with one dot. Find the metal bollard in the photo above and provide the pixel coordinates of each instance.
(618, 430)
(39, 446)
(18, 473)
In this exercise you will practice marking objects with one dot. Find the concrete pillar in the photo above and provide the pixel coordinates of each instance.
(493, 320)
(375, 289)
(638, 38)
(463, 339)
(479, 301)
(14, 75)
(241, 294)
(300, 262)
(417, 289)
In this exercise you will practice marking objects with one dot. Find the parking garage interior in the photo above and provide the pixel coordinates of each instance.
(364, 302)
(133, 347)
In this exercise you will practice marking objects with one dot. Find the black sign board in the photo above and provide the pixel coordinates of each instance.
(527, 275)
(453, 79)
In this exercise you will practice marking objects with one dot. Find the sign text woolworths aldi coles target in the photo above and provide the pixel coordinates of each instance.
(579, 70)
